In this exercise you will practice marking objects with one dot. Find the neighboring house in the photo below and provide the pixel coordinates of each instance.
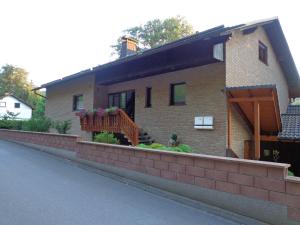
(222, 91)
(10, 103)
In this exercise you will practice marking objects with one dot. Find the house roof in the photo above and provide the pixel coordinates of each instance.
(271, 26)
(290, 124)
(19, 99)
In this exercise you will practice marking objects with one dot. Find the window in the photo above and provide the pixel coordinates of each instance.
(2, 104)
(177, 94)
(17, 105)
(118, 99)
(77, 102)
(148, 97)
(263, 53)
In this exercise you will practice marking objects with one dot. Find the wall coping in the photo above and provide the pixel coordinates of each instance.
(42, 133)
(292, 179)
(194, 155)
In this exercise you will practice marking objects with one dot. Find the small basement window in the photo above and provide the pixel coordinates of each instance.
(17, 105)
(2, 104)
(77, 102)
(177, 94)
(263, 53)
(148, 97)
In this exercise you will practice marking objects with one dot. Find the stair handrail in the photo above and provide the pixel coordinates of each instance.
(128, 127)
(117, 122)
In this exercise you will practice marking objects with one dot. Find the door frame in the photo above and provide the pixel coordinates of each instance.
(120, 92)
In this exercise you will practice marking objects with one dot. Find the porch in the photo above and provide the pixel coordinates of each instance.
(275, 136)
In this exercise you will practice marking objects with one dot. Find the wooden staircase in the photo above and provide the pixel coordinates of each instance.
(116, 122)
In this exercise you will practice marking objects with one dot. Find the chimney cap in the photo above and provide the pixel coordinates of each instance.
(129, 38)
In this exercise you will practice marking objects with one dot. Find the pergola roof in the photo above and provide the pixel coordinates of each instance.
(266, 95)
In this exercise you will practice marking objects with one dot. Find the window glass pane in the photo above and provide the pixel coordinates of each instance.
(179, 93)
(263, 53)
(2, 104)
(116, 101)
(123, 100)
(148, 96)
(110, 100)
(79, 102)
(17, 105)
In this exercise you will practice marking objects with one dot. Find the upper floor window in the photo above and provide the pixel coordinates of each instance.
(2, 104)
(177, 94)
(17, 105)
(148, 97)
(263, 53)
(77, 102)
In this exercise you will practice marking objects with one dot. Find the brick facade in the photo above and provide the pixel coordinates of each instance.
(59, 103)
(243, 67)
(253, 179)
(204, 96)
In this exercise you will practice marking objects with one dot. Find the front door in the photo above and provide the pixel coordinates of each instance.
(124, 100)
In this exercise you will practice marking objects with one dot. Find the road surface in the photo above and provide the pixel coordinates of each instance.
(39, 189)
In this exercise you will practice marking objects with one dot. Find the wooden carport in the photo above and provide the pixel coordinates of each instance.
(258, 106)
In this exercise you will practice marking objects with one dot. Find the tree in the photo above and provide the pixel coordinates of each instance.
(157, 32)
(14, 80)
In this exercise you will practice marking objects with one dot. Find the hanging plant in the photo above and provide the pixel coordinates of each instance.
(82, 113)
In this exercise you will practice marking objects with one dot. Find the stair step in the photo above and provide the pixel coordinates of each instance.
(150, 141)
(145, 138)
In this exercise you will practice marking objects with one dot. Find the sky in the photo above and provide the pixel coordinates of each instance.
(56, 38)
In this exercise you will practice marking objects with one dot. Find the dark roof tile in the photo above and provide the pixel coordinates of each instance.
(290, 123)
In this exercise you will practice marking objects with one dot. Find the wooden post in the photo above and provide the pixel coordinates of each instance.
(257, 130)
(229, 125)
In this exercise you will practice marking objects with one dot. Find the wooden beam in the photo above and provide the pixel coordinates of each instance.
(268, 138)
(257, 130)
(229, 125)
(277, 110)
(251, 99)
(247, 150)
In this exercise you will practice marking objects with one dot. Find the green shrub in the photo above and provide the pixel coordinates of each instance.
(156, 146)
(290, 173)
(179, 148)
(11, 124)
(106, 137)
(62, 127)
(184, 148)
(111, 109)
(37, 125)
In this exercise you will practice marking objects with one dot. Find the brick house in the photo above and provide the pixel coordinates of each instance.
(222, 90)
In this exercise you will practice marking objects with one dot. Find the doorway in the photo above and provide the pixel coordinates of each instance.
(124, 100)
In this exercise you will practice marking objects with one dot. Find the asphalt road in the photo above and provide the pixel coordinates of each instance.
(40, 189)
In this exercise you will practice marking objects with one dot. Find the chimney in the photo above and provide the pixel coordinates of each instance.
(129, 46)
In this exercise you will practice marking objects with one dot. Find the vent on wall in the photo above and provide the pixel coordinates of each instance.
(218, 51)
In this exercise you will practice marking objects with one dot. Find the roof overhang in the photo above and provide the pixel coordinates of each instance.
(243, 98)
(163, 58)
(175, 55)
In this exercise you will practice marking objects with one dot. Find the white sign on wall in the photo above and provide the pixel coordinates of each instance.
(204, 122)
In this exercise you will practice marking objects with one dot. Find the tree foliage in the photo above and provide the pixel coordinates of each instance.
(14, 80)
(157, 32)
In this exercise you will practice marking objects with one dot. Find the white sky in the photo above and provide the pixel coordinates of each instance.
(55, 38)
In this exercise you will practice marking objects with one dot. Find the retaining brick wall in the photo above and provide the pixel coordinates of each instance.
(62, 141)
(254, 179)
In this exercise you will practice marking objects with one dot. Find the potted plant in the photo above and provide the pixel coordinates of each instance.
(173, 141)
(112, 110)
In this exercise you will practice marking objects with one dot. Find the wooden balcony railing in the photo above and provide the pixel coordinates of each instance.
(116, 122)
